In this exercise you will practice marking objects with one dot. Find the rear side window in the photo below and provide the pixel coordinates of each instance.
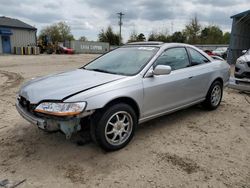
(176, 58)
(196, 57)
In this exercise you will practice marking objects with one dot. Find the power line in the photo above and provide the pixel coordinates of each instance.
(120, 24)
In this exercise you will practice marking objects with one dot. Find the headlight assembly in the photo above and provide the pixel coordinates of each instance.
(61, 108)
(240, 61)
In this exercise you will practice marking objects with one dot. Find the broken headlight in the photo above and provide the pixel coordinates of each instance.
(61, 108)
(240, 61)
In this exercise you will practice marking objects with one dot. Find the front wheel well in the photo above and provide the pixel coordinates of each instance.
(125, 100)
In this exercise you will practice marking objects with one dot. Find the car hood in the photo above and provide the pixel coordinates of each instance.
(63, 85)
(245, 58)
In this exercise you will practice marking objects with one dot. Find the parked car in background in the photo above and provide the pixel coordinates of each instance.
(222, 52)
(65, 50)
(208, 52)
(215, 57)
(242, 65)
(129, 85)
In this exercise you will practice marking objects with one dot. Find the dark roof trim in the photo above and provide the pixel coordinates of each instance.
(14, 23)
(13, 27)
(245, 13)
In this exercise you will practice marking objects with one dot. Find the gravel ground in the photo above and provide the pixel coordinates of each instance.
(190, 148)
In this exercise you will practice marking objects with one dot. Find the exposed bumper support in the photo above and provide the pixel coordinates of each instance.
(41, 123)
(68, 127)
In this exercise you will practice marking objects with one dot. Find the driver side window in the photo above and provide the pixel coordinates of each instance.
(176, 58)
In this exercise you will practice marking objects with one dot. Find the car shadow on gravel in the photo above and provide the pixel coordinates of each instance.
(83, 138)
(171, 119)
(29, 141)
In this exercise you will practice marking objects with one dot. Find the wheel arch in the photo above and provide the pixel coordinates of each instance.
(216, 79)
(127, 100)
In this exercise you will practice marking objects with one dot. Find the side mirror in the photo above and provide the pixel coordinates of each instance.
(244, 51)
(162, 70)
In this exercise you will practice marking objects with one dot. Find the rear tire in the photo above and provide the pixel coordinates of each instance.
(114, 127)
(214, 96)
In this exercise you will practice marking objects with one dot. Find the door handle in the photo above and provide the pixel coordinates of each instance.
(190, 77)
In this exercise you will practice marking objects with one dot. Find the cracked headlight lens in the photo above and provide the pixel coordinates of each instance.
(61, 109)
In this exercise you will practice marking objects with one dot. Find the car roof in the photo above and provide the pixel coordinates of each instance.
(158, 44)
(149, 43)
(163, 46)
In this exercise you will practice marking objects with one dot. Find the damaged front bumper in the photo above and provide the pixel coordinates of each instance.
(68, 125)
(239, 84)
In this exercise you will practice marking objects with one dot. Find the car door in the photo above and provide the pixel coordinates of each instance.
(166, 92)
(201, 70)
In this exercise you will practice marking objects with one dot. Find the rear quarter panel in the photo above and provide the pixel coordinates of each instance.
(221, 70)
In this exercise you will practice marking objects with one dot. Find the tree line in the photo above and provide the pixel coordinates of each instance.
(193, 33)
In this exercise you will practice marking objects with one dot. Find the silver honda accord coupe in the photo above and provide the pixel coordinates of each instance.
(117, 91)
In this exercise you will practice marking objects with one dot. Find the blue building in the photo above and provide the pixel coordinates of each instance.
(15, 33)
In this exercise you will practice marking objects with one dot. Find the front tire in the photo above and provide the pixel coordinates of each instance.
(214, 96)
(114, 127)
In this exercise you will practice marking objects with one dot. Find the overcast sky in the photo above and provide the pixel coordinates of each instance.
(88, 17)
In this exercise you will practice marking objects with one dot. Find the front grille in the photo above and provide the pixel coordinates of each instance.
(26, 104)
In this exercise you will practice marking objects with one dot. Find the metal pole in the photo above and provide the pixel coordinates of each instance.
(120, 24)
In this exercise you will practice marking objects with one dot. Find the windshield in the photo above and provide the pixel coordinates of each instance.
(125, 61)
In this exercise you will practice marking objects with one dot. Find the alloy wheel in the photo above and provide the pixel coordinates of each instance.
(118, 128)
(216, 95)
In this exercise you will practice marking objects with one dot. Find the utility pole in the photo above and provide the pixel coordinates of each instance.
(172, 27)
(120, 24)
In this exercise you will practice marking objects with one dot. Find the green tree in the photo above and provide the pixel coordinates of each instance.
(152, 37)
(141, 37)
(133, 36)
(64, 31)
(178, 37)
(158, 37)
(83, 38)
(192, 31)
(211, 35)
(109, 36)
(226, 38)
(162, 37)
(58, 32)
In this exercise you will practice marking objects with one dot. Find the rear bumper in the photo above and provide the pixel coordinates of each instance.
(41, 123)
